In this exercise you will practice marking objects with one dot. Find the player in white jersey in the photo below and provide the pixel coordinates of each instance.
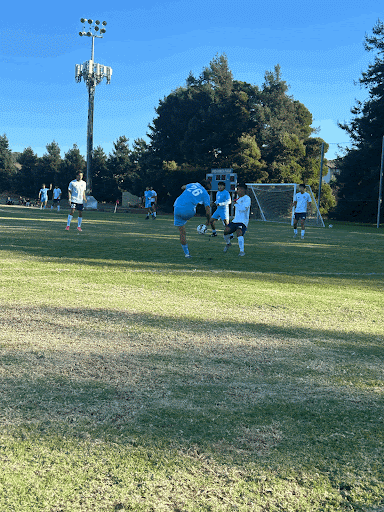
(301, 202)
(56, 198)
(240, 221)
(223, 200)
(76, 198)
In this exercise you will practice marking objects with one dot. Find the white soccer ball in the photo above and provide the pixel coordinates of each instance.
(330, 226)
(201, 229)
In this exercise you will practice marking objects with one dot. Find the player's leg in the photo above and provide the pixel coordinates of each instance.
(228, 230)
(302, 227)
(79, 208)
(295, 225)
(180, 219)
(240, 232)
(70, 216)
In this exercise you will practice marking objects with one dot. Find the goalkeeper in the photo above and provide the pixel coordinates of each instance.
(223, 200)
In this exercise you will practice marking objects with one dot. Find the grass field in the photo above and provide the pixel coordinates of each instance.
(134, 379)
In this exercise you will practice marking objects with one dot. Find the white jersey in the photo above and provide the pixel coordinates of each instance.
(56, 193)
(77, 189)
(153, 197)
(302, 201)
(242, 210)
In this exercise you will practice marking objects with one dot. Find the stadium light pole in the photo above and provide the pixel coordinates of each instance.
(92, 74)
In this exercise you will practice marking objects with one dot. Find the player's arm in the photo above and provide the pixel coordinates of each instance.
(84, 196)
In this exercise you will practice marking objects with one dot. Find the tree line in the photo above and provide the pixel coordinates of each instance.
(215, 121)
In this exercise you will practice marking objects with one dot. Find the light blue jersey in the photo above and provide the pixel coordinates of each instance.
(44, 194)
(223, 200)
(185, 204)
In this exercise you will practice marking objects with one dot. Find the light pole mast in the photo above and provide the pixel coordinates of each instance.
(92, 74)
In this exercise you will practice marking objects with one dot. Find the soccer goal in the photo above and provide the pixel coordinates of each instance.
(272, 202)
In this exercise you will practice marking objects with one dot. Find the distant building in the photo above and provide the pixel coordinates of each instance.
(332, 171)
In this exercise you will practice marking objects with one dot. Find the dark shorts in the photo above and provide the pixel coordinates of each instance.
(234, 226)
(77, 206)
(302, 215)
(56, 200)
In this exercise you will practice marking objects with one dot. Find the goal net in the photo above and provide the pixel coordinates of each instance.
(272, 202)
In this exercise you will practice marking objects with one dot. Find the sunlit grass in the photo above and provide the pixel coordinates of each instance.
(133, 379)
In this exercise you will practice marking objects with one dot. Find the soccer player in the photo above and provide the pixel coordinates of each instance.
(240, 221)
(301, 202)
(43, 196)
(153, 203)
(185, 208)
(147, 201)
(223, 200)
(76, 198)
(56, 197)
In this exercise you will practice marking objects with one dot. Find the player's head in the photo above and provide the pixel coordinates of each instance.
(221, 186)
(302, 187)
(241, 189)
(43, 185)
(206, 184)
(79, 176)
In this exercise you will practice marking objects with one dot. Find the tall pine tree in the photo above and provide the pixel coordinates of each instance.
(358, 181)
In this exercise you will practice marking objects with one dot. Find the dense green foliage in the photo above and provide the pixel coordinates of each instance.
(213, 121)
(360, 167)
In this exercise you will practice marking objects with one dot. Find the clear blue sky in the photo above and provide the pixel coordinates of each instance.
(153, 46)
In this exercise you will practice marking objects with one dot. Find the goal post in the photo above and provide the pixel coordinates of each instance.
(273, 202)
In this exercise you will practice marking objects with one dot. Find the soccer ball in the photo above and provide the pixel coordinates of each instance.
(201, 229)
(330, 226)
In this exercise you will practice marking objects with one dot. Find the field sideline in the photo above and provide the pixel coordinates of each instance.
(132, 378)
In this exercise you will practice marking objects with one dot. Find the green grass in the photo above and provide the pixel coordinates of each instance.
(134, 379)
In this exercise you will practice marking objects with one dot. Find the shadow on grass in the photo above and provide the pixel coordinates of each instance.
(243, 392)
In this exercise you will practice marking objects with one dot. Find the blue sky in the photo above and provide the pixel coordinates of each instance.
(153, 46)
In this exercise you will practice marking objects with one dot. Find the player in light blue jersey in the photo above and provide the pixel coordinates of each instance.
(185, 208)
(223, 200)
(43, 196)
(147, 201)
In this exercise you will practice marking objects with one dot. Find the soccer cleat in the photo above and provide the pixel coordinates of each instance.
(67, 228)
(227, 247)
(302, 237)
(188, 256)
(242, 253)
(294, 235)
(214, 234)
(79, 228)
(147, 217)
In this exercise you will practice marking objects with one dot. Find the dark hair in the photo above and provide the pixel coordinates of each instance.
(221, 183)
(302, 185)
(242, 185)
(206, 184)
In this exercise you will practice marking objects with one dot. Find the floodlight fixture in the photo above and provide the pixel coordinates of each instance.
(83, 20)
(104, 23)
(96, 28)
(90, 22)
(102, 31)
(89, 34)
(97, 22)
(80, 33)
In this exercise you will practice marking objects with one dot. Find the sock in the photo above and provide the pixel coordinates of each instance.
(213, 231)
(185, 249)
(227, 239)
(154, 214)
(295, 231)
(79, 220)
(51, 207)
(302, 232)
(69, 220)
(240, 239)
(58, 208)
